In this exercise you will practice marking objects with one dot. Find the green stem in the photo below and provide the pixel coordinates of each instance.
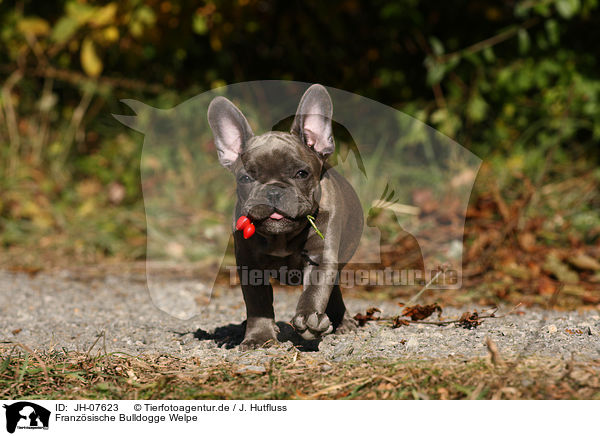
(311, 220)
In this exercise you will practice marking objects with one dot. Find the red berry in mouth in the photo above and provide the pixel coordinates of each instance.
(248, 230)
(242, 222)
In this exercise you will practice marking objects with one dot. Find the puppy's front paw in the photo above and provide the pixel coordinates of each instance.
(312, 325)
(259, 333)
(253, 342)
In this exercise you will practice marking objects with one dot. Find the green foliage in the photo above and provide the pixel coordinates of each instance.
(512, 79)
(529, 86)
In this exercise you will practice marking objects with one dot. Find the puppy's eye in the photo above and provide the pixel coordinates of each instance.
(302, 174)
(244, 179)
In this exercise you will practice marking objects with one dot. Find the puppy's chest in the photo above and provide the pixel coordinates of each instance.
(279, 248)
(294, 257)
(285, 256)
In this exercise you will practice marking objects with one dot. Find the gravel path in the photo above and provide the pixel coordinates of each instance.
(56, 310)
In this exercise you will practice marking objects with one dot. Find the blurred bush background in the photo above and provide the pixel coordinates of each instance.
(517, 82)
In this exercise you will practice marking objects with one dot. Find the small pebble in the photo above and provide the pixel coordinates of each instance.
(412, 343)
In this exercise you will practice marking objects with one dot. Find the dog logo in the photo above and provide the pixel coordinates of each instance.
(294, 277)
(26, 415)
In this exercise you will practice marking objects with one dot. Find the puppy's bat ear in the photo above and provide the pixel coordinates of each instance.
(230, 130)
(313, 120)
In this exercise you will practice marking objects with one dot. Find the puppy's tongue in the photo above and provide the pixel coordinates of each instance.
(276, 216)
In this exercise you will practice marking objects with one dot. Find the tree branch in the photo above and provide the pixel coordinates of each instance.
(489, 42)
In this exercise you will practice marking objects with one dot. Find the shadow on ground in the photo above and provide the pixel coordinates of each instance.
(231, 335)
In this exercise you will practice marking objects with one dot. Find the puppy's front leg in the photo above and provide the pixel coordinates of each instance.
(310, 320)
(260, 322)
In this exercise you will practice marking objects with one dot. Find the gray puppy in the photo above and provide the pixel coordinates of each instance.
(281, 179)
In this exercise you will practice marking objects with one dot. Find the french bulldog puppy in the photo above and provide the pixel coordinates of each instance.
(282, 178)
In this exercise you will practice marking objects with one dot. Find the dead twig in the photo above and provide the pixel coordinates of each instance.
(489, 42)
(74, 134)
(495, 355)
(399, 322)
(100, 335)
(76, 78)
(554, 296)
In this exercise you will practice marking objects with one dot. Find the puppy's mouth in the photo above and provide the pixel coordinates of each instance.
(272, 221)
(276, 217)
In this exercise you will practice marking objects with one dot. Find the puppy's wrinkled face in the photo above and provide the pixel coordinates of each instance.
(278, 182)
(278, 174)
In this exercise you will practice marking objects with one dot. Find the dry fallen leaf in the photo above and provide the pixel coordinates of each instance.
(469, 320)
(584, 262)
(546, 286)
(554, 266)
(526, 241)
(418, 312)
(369, 316)
(398, 322)
(590, 298)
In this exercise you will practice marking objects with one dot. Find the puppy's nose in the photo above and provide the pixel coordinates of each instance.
(274, 194)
